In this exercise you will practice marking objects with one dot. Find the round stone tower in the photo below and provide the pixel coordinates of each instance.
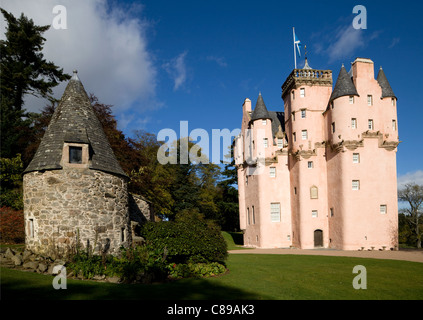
(75, 191)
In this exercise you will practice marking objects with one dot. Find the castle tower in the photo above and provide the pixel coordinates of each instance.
(305, 94)
(74, 188)
(362, 138)
(262, 177)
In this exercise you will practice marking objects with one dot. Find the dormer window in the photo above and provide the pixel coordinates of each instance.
(75, 155)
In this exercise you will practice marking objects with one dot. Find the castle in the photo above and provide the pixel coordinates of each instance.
(75, 191)
(323, 172)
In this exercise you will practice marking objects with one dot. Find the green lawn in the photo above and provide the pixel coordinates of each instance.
(251, 276)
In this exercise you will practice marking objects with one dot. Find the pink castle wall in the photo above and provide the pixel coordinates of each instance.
(356, 221)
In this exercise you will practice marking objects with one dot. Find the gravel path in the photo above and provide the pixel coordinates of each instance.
(408, 255)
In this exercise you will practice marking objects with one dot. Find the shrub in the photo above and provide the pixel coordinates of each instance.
(12, 229)
(189, 239)
(142, 263)
(177, 271)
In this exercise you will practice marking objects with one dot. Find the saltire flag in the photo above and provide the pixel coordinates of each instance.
(297, 43)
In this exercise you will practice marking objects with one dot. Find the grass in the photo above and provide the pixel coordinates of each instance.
(251, 277)
(234, 240)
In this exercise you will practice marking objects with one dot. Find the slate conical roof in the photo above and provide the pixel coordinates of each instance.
(260, 111)
(74, 120)
(384, 84)
(344, 86)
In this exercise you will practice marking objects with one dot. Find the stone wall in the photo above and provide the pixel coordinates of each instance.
(70, 206)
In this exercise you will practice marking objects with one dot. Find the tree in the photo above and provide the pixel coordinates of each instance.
(23, 70)
(228, 202)
(413, 195)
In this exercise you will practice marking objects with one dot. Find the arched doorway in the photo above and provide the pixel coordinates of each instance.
(318, 238)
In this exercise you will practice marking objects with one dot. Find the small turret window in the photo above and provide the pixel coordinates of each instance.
(351, 99)
(75, 154)
(370, 124)
(302, 92)
(369, 100)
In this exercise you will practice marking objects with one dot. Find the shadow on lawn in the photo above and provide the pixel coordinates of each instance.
(18, 285)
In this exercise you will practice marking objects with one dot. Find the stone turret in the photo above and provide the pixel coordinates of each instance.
(75, 191)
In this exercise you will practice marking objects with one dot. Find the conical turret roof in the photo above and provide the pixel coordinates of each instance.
(384, 84)
(260, 111)
(74, 120)
(344, 85)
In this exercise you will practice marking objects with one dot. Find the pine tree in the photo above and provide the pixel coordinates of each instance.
(23, 70)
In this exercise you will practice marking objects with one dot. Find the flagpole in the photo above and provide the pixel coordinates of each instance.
(295, 55)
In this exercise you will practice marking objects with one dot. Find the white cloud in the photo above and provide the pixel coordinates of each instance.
(177, 70)
(394, 42)
(410, 177)
(219, 60)
(107, 45)
(346, 42)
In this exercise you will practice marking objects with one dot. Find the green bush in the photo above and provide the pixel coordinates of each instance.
(197, 270)
(189, 239)
(131, 265)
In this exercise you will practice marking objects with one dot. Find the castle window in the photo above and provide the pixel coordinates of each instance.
(333, 127)
(393, 101)
(275, 212)
(122, 234)
(314, 192)
(303, 113)
(272, 172)
(356, 158)
(370, 124)
(394, 125)
(280, 143)
(248, 215)
(294, 136)
(75, 154)
(293, 116)
(254, 216)
(331, 212)
(31, 228)
(354, 123)
(295, 190)
(369, 100)
(383, 209)
(310, 164)
(293, 95)
(265, 142)
(356, 184)
(302, 92)
(351, 99)
(246, 180)
(264, 122)
(304, 135)
(314, 213)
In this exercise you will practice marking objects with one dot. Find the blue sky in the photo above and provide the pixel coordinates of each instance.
(197, 61)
